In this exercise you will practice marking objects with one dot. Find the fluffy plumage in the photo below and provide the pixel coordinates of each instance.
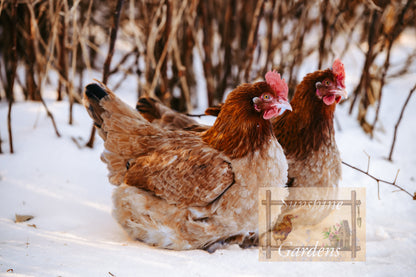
(184, 190)
(307, 135)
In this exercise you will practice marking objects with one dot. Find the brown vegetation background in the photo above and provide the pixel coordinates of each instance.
(237, 41)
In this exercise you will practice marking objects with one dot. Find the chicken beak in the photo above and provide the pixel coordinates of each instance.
(272, 108)
(283, 105)
(341, 91)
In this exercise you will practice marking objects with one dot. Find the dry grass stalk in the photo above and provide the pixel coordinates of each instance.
(237, 41)
(107, 63)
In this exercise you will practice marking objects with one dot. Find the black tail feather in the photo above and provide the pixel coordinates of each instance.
(95, 92)
(93, 95)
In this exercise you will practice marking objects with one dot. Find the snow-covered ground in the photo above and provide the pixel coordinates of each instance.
(73, 233)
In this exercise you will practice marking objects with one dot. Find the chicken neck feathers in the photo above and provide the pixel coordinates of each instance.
(310, 124)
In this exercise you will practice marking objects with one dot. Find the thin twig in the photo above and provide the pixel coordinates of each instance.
(48, 57)
(123, 60)
(168, 45)
(182, 74)
(391, 38)
(398, 122)
(207, 44)
(378, 180)
(9, 126)
(84, 34)
(107, 63)
(12, 73)
(383, 81)
(75, 140)
(75, 35)
(368, 161)
(50, 115)
(113, 37)
(325, 7)
(227, 38)
(252, 38)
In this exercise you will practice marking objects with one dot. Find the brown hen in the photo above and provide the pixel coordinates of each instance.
(186, 190)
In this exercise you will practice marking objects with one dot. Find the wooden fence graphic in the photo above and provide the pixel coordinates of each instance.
(348, 241)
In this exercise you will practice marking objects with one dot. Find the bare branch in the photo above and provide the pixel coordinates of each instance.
(9, 126)
(107, 63)
(398, 122)
(113, 37)
(378, 180)
(368, 161)
(49, 57)
(11, 67)
(252, 38)
(168, 45)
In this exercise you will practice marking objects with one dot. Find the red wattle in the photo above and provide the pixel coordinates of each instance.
(329, 99)
(270, 113)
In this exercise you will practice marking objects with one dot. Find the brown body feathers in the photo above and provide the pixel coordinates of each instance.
(178, 189)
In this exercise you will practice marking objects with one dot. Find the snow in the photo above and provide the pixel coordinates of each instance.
(73, 232)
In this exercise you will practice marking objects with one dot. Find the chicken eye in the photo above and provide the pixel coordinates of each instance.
(327, 82)
(266, 96)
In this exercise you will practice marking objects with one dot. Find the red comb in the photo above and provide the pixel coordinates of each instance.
(338, 70)
(278, 85)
